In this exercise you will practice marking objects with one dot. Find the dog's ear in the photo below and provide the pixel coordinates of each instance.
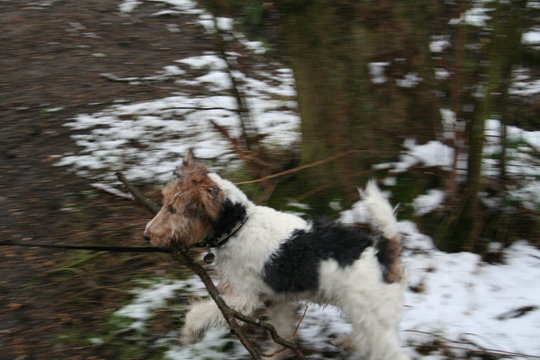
(189, 159)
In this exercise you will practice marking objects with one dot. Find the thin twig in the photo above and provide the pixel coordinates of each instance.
(303, 167)
(232, 141)
(325, 186)
(246, 123)
(181, 255)
(293, 335)
(300, 321)
(271, 330)
(480, 350)
(360, 173)
(113, 191)
(246, 156)
(148, 204)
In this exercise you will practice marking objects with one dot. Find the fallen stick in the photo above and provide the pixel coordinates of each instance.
(231, 316)
(181, 255)
(146, 202)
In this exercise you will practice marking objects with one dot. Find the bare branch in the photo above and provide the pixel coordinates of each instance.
(246, 123)
(299, 354)
(271, 330)
(462, 346)
(246, 156)
(303, 167)
(231, 316)
(112, 190)
(146, 202)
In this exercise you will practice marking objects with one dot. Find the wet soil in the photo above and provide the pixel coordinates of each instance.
(51, 60)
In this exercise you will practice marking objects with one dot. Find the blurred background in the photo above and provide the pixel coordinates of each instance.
(300, 103)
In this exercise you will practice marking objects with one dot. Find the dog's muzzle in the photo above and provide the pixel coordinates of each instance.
(146, 237)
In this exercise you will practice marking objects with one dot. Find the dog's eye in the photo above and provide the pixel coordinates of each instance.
(171, 209)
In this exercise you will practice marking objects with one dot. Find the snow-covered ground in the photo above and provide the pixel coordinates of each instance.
(455, 300)
(151, 135)
(460, 298)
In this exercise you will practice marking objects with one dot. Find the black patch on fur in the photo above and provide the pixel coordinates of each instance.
(295, 266)
(231, 214)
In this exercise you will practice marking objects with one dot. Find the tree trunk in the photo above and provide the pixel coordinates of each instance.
(331, 45)
(464, 226)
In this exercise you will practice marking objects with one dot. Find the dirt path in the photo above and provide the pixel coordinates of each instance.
(52, 54)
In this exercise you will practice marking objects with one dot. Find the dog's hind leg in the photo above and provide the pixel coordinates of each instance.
(376, 341)
(375, 321)
(283, 316)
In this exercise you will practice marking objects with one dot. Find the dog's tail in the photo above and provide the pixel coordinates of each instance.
(380, 209)
(384, 220)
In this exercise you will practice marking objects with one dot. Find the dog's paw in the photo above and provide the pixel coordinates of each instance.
(188, 336)
(344, 342)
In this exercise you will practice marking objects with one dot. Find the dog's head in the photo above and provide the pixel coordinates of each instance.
(192, 204)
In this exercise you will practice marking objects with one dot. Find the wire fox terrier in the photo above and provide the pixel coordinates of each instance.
(272, 259)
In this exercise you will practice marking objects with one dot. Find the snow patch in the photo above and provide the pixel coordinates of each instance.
(145, 139)
(376, 71)
(409, 81)
(211, 346)
(531, 37)
(433, 153)
(425, 204)
(149, 299)
(439, 45)
(461, 298)
(523, 84)
(128, 6)
(477, 16)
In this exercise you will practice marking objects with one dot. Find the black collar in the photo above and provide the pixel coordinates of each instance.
(222, 239)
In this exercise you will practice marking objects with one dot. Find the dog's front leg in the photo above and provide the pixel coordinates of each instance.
(202, 316)
(206, 314)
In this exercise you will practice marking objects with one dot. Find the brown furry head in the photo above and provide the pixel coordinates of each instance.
(191, 205)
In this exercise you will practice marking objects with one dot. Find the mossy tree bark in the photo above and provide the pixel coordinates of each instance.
(463, 228)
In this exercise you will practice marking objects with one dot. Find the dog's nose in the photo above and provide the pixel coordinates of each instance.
(146, 237)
